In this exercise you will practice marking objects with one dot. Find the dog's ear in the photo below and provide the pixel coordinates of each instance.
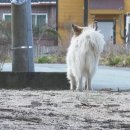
(76, 29)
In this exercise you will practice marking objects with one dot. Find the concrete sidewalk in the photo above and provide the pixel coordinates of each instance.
(105, 77)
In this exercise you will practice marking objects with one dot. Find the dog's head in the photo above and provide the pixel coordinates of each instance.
(77, 30)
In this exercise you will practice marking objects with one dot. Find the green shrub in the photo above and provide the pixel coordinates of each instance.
(51, 59)
(114, 60)
(43, 60)
(128, 61)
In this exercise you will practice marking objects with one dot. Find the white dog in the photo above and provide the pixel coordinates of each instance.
(83, 56)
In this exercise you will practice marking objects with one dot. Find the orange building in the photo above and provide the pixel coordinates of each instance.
(111, 17)
(69, 11)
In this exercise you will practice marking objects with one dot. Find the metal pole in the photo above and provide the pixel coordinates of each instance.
(22, 38)
(85, 12)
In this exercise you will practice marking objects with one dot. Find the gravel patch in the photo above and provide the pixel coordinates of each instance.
(64, 110)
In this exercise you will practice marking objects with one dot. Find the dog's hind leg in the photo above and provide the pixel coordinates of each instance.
(86, 84)
(89, 83)
(79, 84)
(72, 82)
(86, 81)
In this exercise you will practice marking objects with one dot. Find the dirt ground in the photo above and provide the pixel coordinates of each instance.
(64, 110)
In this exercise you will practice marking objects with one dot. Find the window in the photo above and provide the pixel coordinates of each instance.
(127, 28)
(38, 19)
(106, 27)
(106, 4)
(7, 17)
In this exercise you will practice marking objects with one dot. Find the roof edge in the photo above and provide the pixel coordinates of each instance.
(33, 3)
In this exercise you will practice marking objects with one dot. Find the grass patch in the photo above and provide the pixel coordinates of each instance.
(127, 61)
(114, 60)
(51, 59)
(111, 60)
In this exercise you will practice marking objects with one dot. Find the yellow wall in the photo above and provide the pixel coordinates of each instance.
(69, 11)
(127, 6)
(72, 11)
(110, 17)
(118, 15)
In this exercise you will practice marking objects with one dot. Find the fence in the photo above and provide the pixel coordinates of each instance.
(42, 50)
(39, 50)
(45, 46)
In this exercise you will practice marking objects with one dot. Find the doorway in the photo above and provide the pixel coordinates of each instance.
(107, 28)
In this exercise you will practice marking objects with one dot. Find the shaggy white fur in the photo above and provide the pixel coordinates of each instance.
(83, 56)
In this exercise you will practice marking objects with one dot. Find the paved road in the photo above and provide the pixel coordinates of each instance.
(105, 77)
